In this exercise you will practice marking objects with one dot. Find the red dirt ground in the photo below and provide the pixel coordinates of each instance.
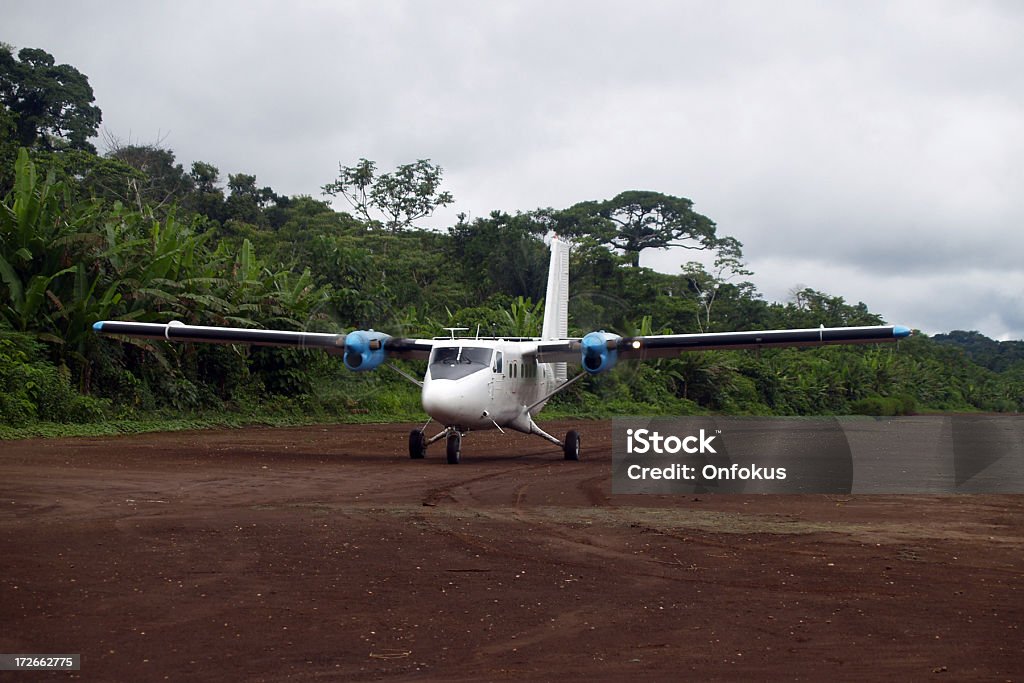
(325, 553)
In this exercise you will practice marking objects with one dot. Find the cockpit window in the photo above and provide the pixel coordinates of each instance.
(453, 362)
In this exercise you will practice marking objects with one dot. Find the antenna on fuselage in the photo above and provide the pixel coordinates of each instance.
(453, 330)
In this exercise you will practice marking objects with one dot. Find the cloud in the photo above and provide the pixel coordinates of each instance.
(969, 299)
(871, 149)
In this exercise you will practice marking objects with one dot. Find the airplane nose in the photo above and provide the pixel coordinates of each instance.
(453, 402)
(440, 398)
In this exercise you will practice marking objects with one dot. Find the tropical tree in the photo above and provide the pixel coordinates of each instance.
(409, 193)
(707, 285)
(51, 104)
(246, 201)
(811, 308)
(636, 220)
(159, 183)
(502, 253)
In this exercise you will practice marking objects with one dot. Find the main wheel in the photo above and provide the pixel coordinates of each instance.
(417, 444)
(454, 447)
(572, 445)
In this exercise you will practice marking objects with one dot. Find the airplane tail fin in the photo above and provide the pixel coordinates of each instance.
(556, 301)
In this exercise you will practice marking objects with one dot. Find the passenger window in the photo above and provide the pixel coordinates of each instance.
(497, 361)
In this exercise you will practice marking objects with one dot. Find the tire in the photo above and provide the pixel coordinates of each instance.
(572, 445)
(417, 445)
(454, 448)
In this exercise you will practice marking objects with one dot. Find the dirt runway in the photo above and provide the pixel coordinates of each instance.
(324, 553)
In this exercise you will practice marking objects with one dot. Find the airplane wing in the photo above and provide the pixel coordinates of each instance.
(669, 345)
(368, 342)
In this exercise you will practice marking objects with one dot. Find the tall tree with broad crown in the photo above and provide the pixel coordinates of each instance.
(51, 104)
(636, 220)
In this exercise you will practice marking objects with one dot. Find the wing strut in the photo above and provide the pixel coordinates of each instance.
(405, 374)
(561, 387)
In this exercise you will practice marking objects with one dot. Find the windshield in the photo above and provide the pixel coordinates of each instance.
(453, 362)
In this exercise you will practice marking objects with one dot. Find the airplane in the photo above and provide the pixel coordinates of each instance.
(474, 383)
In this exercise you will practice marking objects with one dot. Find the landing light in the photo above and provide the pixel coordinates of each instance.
(636, 343)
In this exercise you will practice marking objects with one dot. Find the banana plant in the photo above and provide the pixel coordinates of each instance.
(523, 317)
(41, 236)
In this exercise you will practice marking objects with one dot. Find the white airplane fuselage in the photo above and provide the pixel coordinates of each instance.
(486, 383)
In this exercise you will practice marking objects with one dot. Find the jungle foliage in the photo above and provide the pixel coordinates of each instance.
(133, 235)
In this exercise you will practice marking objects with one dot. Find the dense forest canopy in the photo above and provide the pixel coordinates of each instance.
(131, 234)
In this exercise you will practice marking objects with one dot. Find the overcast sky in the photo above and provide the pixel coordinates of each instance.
(870, 150)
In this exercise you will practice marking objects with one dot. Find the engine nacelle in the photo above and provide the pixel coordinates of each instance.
(364, 349)
(599, 351)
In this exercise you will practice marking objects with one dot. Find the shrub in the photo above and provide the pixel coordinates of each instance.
(884, 406)
(32, 390)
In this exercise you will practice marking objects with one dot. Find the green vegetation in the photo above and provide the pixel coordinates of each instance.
(988, 353)
(132, 235)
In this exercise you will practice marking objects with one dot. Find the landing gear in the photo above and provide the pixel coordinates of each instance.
(571, 447)
(417, 445)
(418, 442)
(454, 448)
